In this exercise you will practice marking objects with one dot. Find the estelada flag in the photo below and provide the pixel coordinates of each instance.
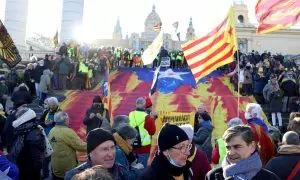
(9, 53)
(213, 50)
(273, 15)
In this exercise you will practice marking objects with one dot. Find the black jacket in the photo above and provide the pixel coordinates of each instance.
(263, 174)
(7, 135)
(95, 122)
(37, 73)
(161, 169)
(28, 75)
(283, 165)
(30, 150)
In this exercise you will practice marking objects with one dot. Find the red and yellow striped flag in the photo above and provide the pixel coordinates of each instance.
(273, 15)
(214, 50)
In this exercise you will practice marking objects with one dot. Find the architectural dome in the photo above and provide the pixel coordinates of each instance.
(152, 19)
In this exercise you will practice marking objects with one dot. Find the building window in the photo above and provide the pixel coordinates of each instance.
(241, 19)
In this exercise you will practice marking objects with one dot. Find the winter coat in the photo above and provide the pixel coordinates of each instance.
(247, 77)
(275, 98)
(284, 163)
(29, 146)
(263, 174)
(259, 83)
(37, 73)
(122, 159)
(96, 122)
(49, 115)
(118, 171)
(28, 76)
(65, 142)
(12, 79)
(202, 138)
(7, 135)
(8, 170)
(161, 169)
(47, 64)
(199, 163)
(45, 81)
(289, 88)
(64, 67)
(3, 91)
(21, 96)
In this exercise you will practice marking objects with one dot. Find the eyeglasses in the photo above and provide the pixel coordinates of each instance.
(183, 149)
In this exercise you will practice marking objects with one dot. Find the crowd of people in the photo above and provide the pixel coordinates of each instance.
(121, 148)
(46, 147)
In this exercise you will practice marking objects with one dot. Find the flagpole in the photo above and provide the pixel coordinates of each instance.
(238, 66)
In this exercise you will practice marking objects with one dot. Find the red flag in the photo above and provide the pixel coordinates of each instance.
(274, 15)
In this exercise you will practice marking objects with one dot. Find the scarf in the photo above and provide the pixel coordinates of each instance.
(242, 170)
(20, 132)
(260, 122)
(123, 144)
(205, 123)
(289, 149)
(161, 163)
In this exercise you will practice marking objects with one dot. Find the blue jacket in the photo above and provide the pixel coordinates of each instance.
(118, 171)
(259, 83)
(122, 159)
(8, 170)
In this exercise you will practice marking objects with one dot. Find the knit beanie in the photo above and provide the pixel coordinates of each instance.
(96, 137)
(97, 99)
(169, 136)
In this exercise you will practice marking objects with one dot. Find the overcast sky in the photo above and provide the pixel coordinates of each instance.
(100, 16)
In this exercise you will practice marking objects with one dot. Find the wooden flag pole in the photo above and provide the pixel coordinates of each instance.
(238, 71)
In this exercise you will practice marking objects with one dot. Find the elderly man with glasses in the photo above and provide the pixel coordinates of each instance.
(171, 159)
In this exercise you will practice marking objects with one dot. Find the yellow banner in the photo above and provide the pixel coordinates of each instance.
(176, 118)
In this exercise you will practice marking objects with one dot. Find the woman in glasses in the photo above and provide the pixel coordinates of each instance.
(171, 158)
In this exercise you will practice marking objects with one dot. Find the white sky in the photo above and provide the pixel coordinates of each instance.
(100, 16)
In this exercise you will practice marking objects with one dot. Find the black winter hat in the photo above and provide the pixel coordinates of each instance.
(97, 99)
(96, 137)
(169, 136)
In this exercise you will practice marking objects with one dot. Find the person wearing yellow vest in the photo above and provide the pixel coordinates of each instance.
(83, 71)
(171, 158)
(173, 59)
(219, 151)
(179, 60)
(145, 125)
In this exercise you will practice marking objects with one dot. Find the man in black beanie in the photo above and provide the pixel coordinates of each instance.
(170, 160)
(101, 150)
(96, 116)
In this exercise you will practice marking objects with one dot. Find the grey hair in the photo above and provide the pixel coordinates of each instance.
(234, 122)
(189, 130)
(255, 109)
(52, 100)
(120, 121)
(140, 102)
(61, 116)
(127, 132)
(291, 138)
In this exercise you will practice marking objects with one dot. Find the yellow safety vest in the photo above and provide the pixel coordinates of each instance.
(90, 73)
(222, 149)
(137, 119)
(83, 68)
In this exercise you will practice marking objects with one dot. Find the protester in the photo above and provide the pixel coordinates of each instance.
(242, 160)
(253, 115)
(294, 125)
(101, 150)
(124, 137)
(3, 91)
(120, 121)
(2, 124)
(285, 164)
(65, 143)
(202, 138)
(96, 172)
(28, 79)
(44, 86)
(21, 95)
(145, 126)
(29, 145)
(12, 80)
(171, 159)
(197, 160)
(219, 152)
(273, 95)
(95, 117)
